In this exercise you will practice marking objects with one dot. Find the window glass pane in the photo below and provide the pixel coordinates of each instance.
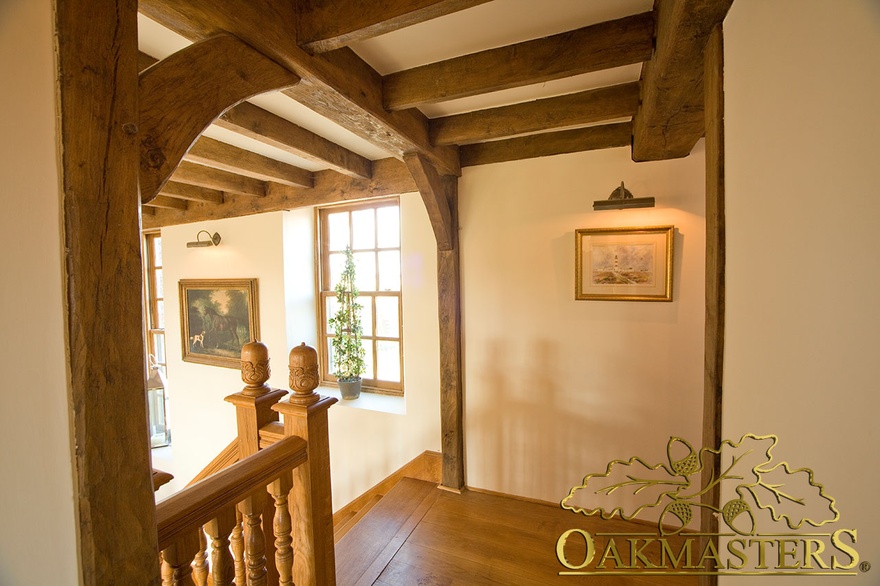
(389, 270)
(160, 317)
(159, 347)
(387, 325)
(157, 251)
(366, 270)
(330, 366)
(330, 306)
(388, 361)
(363, 229)
(366, 314)
(337, 264)
(160, 285)
(337, 226)
(368, 359)
(388, 219)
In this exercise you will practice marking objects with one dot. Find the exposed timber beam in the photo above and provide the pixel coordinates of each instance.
(258, 124)
(194, 174)
(670, 119)
(609, 44)
(181, 95)
(326, 25)
(619, 101)
(551, 143)
(191, 192)
(112, 492)
(338, 85)
(433, 190)
(164, 201)
(145, 60)
(220, 155)
(390, 177)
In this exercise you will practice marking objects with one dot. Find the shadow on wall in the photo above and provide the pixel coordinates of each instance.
(538, 436)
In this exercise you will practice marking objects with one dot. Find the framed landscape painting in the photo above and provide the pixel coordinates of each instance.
(624, 264)
(217, 318)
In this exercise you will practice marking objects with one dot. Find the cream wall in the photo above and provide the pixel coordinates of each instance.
(802, 79)
(555, 388)
(278, 249)
(37, 504)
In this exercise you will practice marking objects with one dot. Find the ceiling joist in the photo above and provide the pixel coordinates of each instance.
(201, 176)
(390, 177)
(589, 107)
(214, 153)
(192, 192)
(341, 86)
(551, 143)
(254, 122)
(324, 25)
(182, 94)
(602, 46)
(670, 120)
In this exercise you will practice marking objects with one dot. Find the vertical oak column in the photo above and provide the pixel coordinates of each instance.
(98, 108)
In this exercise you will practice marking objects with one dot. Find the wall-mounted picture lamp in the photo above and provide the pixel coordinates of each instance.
(622, 199)
(199, 243)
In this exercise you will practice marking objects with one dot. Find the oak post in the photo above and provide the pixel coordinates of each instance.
(305, 415)
(98, 116)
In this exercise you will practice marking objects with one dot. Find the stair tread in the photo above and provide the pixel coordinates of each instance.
(370, 543)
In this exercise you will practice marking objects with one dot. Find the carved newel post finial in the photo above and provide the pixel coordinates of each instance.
(304, 375)
(255, 369)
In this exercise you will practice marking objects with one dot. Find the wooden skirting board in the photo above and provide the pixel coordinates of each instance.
(426, 466)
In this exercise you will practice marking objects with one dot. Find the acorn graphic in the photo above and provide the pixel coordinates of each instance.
(733, 510)
(687, 465)
(676, 510)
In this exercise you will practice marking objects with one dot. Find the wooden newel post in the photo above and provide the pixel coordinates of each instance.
(305, 415)
(253, 405)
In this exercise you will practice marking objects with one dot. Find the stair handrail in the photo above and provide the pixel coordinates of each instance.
(196, 505)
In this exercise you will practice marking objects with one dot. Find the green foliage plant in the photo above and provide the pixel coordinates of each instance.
(348, 352)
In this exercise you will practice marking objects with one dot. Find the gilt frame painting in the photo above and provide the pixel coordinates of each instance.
(217, 318)
(624, 264)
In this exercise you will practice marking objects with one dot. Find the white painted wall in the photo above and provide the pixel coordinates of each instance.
(555, 388)
(278, 249)
(36, 490)
(802, 80)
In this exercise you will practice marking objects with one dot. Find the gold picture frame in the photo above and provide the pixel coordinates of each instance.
(624, 264)
(217, 318)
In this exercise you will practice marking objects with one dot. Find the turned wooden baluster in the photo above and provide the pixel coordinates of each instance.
(236, 544)
(166, 570)
(218, 529)
(279, 490)
(180, 557)
(254, 542)
(200, 562)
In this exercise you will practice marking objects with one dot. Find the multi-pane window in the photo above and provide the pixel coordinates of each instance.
(372, 230)
(155, 296)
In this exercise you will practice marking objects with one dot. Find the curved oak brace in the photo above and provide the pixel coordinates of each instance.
(183, 94)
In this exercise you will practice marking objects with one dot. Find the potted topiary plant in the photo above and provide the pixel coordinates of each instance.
(348, 352)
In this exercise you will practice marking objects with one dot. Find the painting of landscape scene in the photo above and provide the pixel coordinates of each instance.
(218, 317)
(624, 264)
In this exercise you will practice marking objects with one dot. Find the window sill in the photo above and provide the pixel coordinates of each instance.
(368, 401)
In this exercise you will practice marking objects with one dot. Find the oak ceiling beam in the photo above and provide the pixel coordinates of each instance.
(338, 85)
(258, 124)
(202, 176)
(551, 143)
(670, 120)
(390, 177)
(601, 46)
(619, 101)
(220, 155)
(434, 193)
(324, 25)
(191, 192)
(181, 95)
(163, 201)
